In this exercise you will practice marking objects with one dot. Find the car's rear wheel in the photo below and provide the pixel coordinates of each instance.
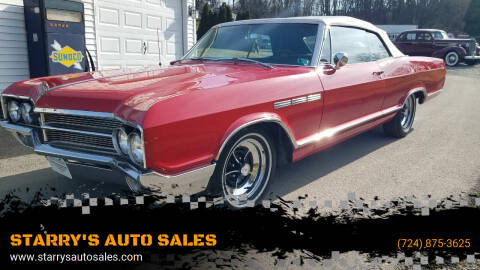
(452, 59)
(402, 123)
(245, 168)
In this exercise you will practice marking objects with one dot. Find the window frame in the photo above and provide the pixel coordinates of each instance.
(411, 40)
(315, 56)
(327, 33)
(424, 33)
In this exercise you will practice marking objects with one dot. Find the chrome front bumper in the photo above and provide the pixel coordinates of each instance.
(187, 183)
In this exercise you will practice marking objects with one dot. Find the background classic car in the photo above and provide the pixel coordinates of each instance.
(248, 96)
(436, 43)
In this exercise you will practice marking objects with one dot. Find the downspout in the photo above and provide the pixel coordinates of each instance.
(184, 30)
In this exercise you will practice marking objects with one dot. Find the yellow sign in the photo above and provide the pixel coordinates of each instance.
(66, 56)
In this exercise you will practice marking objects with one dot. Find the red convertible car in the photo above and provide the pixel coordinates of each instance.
(248, 96)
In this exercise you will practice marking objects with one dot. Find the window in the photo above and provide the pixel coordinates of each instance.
(411, 36)
(440, 35)
(424, 36)
(377, 48)
(327, 50)
(273, 43)
(354, 42)
(63, 15)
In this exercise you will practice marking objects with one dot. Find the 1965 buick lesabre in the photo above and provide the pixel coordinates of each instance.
(248, 96)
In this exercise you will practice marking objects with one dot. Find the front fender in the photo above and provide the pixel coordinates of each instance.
(442, 52)
(252, 119)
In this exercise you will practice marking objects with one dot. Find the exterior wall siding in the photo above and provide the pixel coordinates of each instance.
(13, 48)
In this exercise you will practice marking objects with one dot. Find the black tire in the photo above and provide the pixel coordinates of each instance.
(452, 58)
(236, 167)
(402, 123)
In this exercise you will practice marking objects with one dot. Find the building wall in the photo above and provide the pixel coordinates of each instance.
(393, 30)
(13, 43)
(13, 46)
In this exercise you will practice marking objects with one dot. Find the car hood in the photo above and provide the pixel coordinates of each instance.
(129, 94)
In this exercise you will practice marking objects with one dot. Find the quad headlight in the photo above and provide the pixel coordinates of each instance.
(122, 141)
(14, 111)
(27, 113)
(136, 148)
(130, 144)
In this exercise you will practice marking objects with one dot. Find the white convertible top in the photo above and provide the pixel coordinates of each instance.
(327, 20)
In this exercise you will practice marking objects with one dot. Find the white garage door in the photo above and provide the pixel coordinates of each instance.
(138, 33)
(13, 44)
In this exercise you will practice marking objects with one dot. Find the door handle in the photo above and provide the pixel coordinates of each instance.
(144, 45)
(378, 73)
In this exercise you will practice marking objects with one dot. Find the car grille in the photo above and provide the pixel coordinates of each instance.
(472, 48)
(82, 121)
(89, 134)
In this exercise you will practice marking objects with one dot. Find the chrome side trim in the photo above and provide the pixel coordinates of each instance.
(317, 136)
(296, 101)
(77, 131)
(327, 133)
(299, 100)
(433, 94)
(314, 97)
(282, 104)
(266, 119)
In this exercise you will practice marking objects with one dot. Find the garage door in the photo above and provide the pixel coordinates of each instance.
(13, 44)
(138, 33)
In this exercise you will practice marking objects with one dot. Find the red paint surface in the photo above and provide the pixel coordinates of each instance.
(187, 111)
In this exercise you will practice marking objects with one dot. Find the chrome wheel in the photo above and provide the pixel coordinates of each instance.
(408, 114)
(247, 169)
(452, 59)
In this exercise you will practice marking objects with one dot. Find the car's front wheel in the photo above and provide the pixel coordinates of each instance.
(245, 168)
(452, 59)
(402, 123)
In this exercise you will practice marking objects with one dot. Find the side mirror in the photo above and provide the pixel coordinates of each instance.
(340, 60)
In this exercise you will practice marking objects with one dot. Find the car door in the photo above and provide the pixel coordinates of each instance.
(356, 89)
(425, 44)
(407, 43)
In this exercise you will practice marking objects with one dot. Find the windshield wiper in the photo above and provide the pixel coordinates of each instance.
(196, 59)
(239, 59)
(235, 59)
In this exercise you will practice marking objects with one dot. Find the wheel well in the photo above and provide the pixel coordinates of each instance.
(449, 51)
(420, 95)
(283, 144)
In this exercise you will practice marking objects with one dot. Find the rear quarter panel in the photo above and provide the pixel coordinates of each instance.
(404, 74)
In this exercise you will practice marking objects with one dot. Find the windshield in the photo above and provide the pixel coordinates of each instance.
(272, 43)
(440, 35)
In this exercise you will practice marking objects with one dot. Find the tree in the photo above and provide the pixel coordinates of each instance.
(205, 21)
(243, 15)
(229, 13)
(223, 15)
(472, 19)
